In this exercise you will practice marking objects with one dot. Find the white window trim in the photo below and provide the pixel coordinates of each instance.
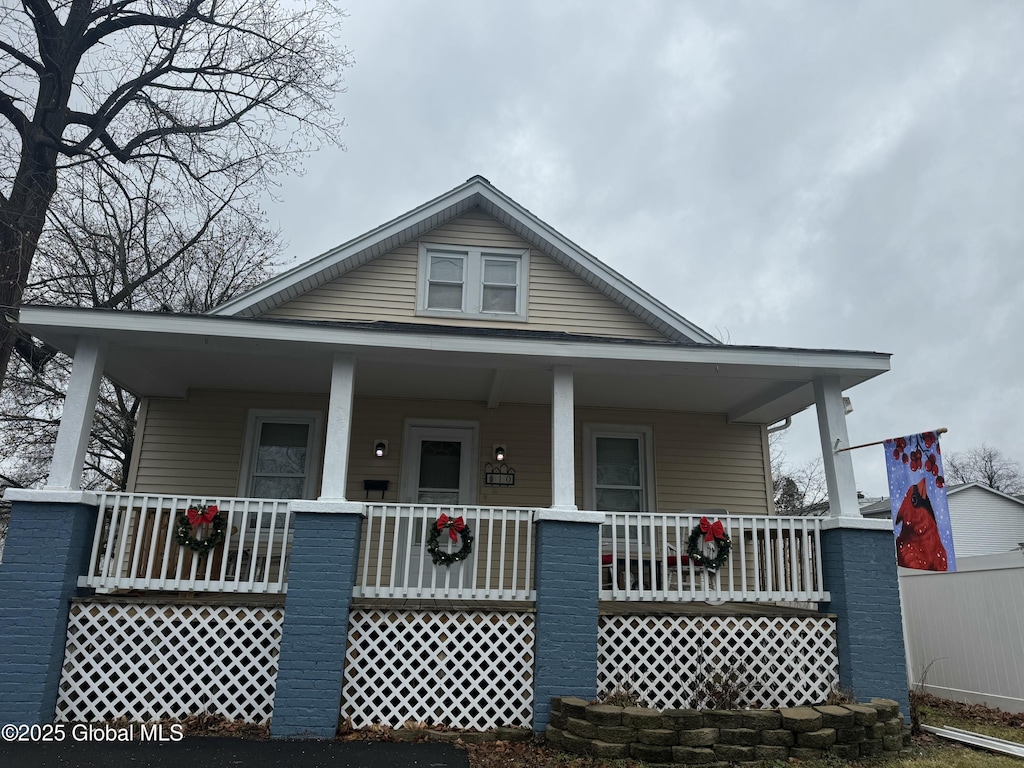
(646, 434)
(472, 282)
(256, 418)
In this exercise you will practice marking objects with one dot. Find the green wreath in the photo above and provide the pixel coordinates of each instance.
(191, 519)
(438, 555)
(694, 546)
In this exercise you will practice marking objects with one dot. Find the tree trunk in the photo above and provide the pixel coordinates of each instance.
(22, 217)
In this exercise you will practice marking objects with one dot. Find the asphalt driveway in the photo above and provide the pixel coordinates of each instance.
(227, 752)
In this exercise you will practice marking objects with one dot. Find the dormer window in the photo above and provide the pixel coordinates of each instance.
(470, 282)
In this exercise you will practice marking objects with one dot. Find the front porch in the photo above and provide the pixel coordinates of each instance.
(547, 603)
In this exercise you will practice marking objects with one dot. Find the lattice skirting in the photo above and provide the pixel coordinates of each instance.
(457, 668)
(789, 661)
(146, 662)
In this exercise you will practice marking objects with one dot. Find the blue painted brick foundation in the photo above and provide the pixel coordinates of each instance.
(47, 550)
(321, 575)
(566, 611)
(860, 573)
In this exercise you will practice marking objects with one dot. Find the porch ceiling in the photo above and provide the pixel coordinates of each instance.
(165, 355)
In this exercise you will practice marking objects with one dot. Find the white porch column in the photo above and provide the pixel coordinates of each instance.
(842, 486)
(339, 428)
(563, 440)
(76, 419)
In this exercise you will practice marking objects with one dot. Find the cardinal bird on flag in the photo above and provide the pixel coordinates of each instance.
(917, 497)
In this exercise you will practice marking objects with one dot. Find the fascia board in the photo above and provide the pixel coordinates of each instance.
(79, 322)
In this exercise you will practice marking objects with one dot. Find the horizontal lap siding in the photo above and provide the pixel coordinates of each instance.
(524, 429)
(385, 289)
(701, 461)
(194, 446)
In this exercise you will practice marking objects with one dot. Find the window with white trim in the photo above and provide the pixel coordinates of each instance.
(619, 468)
(468, 282)
(279, 455)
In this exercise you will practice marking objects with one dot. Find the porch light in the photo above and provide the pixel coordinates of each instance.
(380, 448)
(499, 453)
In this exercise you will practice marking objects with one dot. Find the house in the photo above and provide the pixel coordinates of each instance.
(985, 521)
(457, 464)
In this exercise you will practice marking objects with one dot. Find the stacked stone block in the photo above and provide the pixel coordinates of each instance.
(720, 737)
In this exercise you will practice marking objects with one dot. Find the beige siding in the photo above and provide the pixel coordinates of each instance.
(700, 460)
(385, 289)
(195, 446)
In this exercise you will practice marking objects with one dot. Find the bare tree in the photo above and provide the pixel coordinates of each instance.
(985, 465)
(222, 92)
(798, 490)
(128, 240)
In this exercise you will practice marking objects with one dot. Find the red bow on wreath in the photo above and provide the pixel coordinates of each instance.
(201, 515)
(711, 530)
(455, 525)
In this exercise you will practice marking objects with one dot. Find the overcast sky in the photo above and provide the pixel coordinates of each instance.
(812, 174)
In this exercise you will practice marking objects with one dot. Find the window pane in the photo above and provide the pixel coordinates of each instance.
(440, 464)
(444, 297)
(278, 487)
(615, 500)
(500, 272)
(618, 461)
(499, 299)
(446, 268)
(282, 449)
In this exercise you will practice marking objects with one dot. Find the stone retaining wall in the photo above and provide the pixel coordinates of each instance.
(695, 737)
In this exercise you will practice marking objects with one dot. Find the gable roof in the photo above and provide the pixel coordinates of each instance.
(476, 192)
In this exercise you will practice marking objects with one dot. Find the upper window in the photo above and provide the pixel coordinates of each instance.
(279, 462)
(471, 282)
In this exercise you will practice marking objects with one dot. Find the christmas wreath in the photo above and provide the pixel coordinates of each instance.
(195, 516)
(713, 551)
(455, 526)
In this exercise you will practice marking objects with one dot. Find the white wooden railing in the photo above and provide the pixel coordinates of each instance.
(395, 563)
(772, 559)
(134, 546)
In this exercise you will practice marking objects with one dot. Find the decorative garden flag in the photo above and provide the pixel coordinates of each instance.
(920, 513)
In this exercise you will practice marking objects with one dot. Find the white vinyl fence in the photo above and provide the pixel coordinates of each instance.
(965, 630)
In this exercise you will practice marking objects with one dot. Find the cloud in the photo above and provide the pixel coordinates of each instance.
(792, 173)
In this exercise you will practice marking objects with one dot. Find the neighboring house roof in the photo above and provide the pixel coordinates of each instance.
(883, 508)
(476, 192)
(984, 521)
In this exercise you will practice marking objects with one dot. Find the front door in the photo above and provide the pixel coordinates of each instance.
(439, 466)
(438, 472)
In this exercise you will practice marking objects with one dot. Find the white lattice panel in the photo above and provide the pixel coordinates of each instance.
(792, 660)
(457, 668)
(146, 662)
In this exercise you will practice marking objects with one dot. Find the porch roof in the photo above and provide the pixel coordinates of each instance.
(164, 355)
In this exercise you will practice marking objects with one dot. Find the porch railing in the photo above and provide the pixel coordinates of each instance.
(134, 546)
(395, 562)
(772, 559)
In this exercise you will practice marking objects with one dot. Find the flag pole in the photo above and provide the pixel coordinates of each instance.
(939, 431)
